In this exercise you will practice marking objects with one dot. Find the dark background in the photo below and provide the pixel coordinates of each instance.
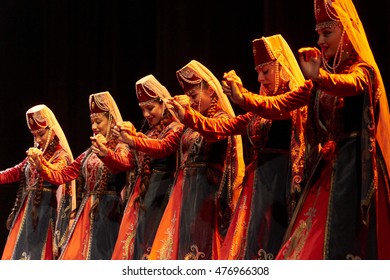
(60, 52)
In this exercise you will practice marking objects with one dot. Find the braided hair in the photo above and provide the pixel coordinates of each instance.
(103, 182)
(80, 181)
(51, 149)
(100, 188)
(18, 200)
(146, 172)
(214, 106)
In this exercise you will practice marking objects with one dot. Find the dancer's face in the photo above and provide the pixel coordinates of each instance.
(329, 40)
(41, 136)
(266, 76)
(153, 112)
(201, 97)
(99, 123)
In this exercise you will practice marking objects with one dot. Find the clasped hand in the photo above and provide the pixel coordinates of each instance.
(35, 156)
(124, 131)
(232, 87)
(179, 104)
(98, 145)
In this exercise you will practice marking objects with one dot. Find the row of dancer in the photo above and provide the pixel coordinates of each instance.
(317, 186)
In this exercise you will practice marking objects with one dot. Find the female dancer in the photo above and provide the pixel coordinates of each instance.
(155, 155)
(33, 217)
(344, 212)
(96, 224)
(208, 179)
(273, 179)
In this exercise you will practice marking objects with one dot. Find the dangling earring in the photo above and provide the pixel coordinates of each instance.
(347, 49)
(51, 144)
(337, 58)
(109, 126)
(277, 77)
(47, 141)
(200, 95)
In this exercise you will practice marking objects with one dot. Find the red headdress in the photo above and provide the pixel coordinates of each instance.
(95, 105)
(149, 89)
(37, 117)
(188, 78)
(325, 14)
(262, 53)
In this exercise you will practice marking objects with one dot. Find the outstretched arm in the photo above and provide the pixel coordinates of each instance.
(208, 127)
(117, 161)
(270, 107)
(56, 172)
(162, 147)
(345, 84)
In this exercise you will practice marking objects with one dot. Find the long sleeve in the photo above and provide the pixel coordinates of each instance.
(12, 174)
(342, 85)
(160, 148)
(57, 174)
(216, 126)
(121, 159)
(279, 106)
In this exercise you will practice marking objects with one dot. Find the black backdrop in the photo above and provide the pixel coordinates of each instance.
(59, 52)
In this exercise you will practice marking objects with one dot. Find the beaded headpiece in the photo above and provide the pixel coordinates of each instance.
(40, 117)
(98, 103)
(274, 49)
(149, 89)
(261, 52)
(188, 78)
(325, 14)
(37, 117)
(103, 102)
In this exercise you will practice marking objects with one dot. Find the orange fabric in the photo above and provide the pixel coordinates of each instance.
(217, 244)
(13, 235)
(166, 241)
(235, 239)
(48, 253)
(124, 246)
(78, 246)
(278, 106)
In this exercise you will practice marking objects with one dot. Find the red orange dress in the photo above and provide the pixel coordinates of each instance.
(93, 236)
(24, 241)
(344, 212)
(262, 213)
(141, 220)
(188, 227)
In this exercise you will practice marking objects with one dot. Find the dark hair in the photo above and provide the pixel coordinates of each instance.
(145, 172)
(51, 149)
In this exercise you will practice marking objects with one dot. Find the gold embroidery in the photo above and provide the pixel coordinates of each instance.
(85, 244)
(167, 247)
(145, 256)
(128, 244)
(194, 254)
(353, 257)
(263, 255)
(25, 256)
(59, 241)
(298, 239)
(239, 238)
